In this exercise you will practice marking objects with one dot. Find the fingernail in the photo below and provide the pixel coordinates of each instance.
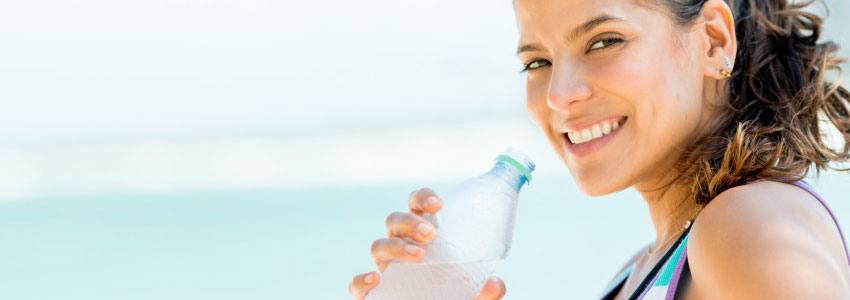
(432, 201)
(369, 278)
(424, 228)
(412, 250)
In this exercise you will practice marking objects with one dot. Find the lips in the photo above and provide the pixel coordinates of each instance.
(598, 138)
(593, 131)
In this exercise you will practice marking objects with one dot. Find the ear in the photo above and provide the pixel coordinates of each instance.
(719, 40)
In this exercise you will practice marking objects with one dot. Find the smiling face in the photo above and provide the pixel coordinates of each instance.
(616, 86)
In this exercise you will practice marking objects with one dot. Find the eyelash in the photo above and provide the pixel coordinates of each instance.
(609, 41)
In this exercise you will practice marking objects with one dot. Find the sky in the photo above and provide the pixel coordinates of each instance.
(115, 113)
(93, 85)
(103, 71)
(86, 80)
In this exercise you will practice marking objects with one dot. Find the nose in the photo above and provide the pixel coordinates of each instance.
(567, 86)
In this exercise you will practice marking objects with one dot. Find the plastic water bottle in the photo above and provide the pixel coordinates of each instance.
(474, 232)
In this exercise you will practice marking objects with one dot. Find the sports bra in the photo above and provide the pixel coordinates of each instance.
(663, 280)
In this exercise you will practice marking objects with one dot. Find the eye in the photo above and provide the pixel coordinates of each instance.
(535, 65)
(604, 43)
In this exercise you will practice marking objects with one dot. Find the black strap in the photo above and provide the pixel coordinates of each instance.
(649, 277)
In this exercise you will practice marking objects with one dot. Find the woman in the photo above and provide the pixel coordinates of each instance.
(710, 110)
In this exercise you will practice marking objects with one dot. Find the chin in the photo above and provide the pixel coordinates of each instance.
(598, 179)
(601, 185)
(594, 190)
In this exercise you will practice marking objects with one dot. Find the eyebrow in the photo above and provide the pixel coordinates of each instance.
(576, 33)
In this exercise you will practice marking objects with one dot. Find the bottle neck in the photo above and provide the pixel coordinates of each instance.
(510, 174)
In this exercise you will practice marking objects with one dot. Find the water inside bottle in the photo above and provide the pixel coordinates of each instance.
(474, 233)
(448, 281)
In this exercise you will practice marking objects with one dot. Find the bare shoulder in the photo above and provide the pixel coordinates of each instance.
(767, 240)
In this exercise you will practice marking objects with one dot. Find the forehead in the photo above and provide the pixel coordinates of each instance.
(535, 16)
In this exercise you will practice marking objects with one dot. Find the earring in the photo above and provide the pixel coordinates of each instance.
(727, 72)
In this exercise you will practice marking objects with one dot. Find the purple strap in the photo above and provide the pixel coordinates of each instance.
(677, 273)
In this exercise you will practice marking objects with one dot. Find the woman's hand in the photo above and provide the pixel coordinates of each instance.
(407, 236)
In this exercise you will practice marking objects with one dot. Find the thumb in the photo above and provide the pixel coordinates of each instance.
(494, 289)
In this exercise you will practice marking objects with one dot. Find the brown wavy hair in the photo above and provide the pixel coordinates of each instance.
(780, 105)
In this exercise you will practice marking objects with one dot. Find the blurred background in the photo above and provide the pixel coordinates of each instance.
(223, 149)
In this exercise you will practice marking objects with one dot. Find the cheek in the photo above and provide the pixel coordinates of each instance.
(634, 76)
(656, 83)
(638, 81)
(661, 102)
(536, 94)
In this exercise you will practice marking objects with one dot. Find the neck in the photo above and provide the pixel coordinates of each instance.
(672, 205)
(670, 208)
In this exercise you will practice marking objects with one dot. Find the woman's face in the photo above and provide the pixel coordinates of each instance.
(616, 86)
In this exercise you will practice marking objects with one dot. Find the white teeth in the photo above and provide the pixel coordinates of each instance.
(595, 131)
(586, 135)
(606, 127)
(574, 137)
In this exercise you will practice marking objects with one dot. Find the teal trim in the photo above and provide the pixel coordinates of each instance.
(522, 168)
(664, 279)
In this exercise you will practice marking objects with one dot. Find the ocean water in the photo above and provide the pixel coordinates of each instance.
(298, 243)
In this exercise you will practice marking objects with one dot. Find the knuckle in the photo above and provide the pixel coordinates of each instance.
(412, 199)
(377, 245)
(395, 243)
(388, 248)
(415, 193)
(419, 200)
(422, 193)
(413, 220)
(395, 217)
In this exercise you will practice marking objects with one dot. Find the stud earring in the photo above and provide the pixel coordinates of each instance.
(727, 72)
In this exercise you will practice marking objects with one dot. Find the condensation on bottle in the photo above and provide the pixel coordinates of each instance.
(474, 233)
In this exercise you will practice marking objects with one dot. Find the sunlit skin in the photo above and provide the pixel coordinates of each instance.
(630, 66)
(589, 61)
(631, 62)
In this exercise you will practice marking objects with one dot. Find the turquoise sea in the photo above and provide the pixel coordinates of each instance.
(297, 243)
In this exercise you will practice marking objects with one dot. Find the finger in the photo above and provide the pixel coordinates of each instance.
(362, 284)
(423, 201)
(407, 225)
(494, 289)
(388, 249)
